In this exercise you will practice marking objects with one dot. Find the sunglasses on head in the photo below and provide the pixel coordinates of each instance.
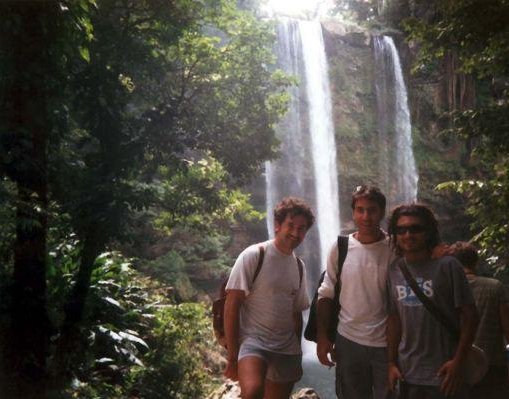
(412, 229)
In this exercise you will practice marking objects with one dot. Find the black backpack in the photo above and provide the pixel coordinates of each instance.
(310, 332)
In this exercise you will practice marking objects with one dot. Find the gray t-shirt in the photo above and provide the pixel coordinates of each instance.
(425, 343)
(266, 317)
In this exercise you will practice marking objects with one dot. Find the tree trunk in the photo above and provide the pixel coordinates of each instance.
(30, 29)
(70, 344)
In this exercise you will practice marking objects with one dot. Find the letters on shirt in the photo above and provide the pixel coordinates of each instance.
(407, 297)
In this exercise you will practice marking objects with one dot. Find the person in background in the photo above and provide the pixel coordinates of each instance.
(424, 356)
(263, 319)
(493, 306)
(360, 347)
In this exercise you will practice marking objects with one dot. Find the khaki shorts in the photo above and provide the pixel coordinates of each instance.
(281, 367)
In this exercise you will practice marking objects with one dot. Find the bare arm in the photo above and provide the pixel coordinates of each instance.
(324, 347)
(504, 320)
(451, 369)
(393, 340)
(234, 300)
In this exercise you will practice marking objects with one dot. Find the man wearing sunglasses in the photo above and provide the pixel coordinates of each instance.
(360, 346)
(423, 355)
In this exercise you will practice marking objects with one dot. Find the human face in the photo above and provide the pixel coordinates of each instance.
(367, 216)
(290, 233)
(411, 235)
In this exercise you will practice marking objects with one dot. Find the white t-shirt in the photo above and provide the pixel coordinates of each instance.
(363, 296)
(266, 316)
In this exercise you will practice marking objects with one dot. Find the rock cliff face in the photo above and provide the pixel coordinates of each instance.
(439, 158)
(351, 73)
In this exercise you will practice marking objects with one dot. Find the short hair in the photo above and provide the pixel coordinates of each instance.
(465, 252)
(371, 193)
(427, 218)
(293, 206)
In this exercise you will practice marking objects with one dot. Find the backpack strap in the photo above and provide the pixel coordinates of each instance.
(301, 272)
(260, 262)
(342, 251)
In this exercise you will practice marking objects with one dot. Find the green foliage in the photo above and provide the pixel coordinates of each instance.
(488, 200)
(163, 83)
(123, 110)
(118, 312)
(199, 196)
(480, 40)
(170, 269)
(196, 261)
(174, 366)
(133, 339)
(362, 10)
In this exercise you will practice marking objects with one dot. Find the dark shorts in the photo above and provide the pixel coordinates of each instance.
(280, 367)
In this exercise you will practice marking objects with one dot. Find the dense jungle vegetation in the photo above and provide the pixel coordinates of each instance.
(128, 130)
(121, 120)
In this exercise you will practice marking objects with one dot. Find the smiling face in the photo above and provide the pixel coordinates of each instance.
(290, 233)
(411, 235)
(367, 216)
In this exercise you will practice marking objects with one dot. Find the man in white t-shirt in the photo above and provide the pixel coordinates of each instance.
(263, 318)
(360, 347)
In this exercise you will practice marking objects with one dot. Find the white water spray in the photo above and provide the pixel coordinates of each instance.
(399, 176)
(322, 134)
(307, 164)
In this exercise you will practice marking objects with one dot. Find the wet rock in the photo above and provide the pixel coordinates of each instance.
(229, 390)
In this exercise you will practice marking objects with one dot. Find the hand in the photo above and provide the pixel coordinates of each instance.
(450, 370)
(231, 370)
(440, 250)
(323, 348)
(393, 375)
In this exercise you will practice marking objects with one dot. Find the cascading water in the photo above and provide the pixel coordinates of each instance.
(307, 163)
(398, 173)
(321, 129)
(287, 175)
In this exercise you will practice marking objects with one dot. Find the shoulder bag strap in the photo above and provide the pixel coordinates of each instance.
(342, 251)
(427, 302)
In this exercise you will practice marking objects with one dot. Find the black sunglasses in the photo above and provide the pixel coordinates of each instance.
(412, 229)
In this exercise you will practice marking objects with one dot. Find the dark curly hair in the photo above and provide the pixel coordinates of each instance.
(427, 218)
(293, 206)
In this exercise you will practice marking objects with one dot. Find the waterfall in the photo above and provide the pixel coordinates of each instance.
(307, 163)
(323, 144)
(398, 173)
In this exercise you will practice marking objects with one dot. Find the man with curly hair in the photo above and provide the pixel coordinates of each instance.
(263, 309)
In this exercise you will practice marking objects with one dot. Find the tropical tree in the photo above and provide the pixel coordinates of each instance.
(111, 105)
(479, 42)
